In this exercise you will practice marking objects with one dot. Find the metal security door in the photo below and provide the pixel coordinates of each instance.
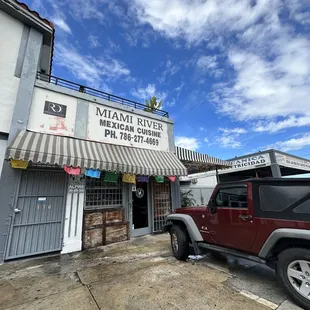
(37, 222)
(161, 203)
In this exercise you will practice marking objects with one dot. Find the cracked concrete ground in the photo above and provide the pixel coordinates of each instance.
(138, 274)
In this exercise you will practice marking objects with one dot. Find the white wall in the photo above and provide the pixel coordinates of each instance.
(40, 122)
(204, 179)
(3, 144)
(201, 195)
(119, 125)
(10, 38)
(201, 186)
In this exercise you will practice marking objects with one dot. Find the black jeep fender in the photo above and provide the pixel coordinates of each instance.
(280, 234)
(189, 223)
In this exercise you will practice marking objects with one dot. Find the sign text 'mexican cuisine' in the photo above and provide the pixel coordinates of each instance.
(125, 126)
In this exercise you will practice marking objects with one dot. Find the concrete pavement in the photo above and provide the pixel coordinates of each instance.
(138, 274)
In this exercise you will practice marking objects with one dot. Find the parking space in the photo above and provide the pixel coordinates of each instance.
(254, 280)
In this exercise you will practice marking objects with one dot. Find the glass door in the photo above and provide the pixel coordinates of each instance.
(140, 210)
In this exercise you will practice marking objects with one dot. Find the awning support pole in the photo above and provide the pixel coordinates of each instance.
(217, 175)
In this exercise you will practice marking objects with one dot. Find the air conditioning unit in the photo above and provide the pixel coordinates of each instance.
(194, 181)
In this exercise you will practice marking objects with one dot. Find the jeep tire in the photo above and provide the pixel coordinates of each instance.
(293, 271)
(179, 242)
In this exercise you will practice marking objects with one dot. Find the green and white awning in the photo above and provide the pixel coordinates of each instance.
(60, 150)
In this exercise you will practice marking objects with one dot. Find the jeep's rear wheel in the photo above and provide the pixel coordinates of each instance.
(179, 242)
(293, 270)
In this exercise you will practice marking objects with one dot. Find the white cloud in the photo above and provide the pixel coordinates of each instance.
(113, 47)
(81, 9)
(207, 62)
(169, 70)
(235, 131)
(38, 6)
(148, 92)
(297, 11)
(60, 23)
(209, 65)
(270, 58)
(266, 89)
(228, 142)
(229, 136)
(94, 71)
(94, 41)
(197, 21)
(134, 34)
(179, 89)
(293, 144)
(170, 103)
(274, 126)
(187, 142)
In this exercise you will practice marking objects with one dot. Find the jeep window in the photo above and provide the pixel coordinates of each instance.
(235, 197)
(279, 198)
(303, 207)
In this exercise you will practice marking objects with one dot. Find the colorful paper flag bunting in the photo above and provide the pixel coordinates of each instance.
(111, 176)
(129, 178)
(19, 164)
(142, 178)
(159, 179)
(72, 170)
(172, 178)
(93, 173)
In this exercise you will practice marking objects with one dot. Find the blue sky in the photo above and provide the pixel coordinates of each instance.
(234, 75)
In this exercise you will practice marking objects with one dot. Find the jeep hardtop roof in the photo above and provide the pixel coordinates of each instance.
(269, 180)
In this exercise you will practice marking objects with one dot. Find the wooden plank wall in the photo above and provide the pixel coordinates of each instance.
(104, 227)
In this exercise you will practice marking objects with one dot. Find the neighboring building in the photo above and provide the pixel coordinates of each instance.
(21, 32)
(55, 132)
(269, 163)
(26, 47)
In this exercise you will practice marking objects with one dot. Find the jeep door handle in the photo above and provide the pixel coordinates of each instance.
(245, 217)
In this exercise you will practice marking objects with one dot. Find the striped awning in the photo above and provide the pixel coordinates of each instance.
(189, 156)
(59, 150)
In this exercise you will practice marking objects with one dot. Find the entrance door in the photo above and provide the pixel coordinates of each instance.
(140, 222)
(37, 221)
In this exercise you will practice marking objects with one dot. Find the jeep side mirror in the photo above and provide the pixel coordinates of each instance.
(212, 206)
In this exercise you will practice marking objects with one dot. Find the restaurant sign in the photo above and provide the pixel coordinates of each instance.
(115, 126)
(247, 163)
(292, 162)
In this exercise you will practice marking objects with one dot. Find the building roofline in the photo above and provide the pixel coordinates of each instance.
(21, 12)
(36, 14)
(265, 152)
(248, 155)
(291, 155)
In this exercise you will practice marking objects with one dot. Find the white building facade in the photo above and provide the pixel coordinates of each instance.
(79, 168)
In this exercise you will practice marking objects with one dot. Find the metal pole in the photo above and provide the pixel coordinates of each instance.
(217, 175)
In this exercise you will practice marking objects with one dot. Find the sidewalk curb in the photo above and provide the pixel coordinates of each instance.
(260, 300)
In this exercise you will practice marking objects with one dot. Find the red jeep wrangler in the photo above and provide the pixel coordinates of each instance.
(264, 220)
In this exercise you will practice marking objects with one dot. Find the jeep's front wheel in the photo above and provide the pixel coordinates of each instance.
(293, 270)
(179, 242)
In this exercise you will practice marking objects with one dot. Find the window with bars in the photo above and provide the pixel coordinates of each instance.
(100, 194)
